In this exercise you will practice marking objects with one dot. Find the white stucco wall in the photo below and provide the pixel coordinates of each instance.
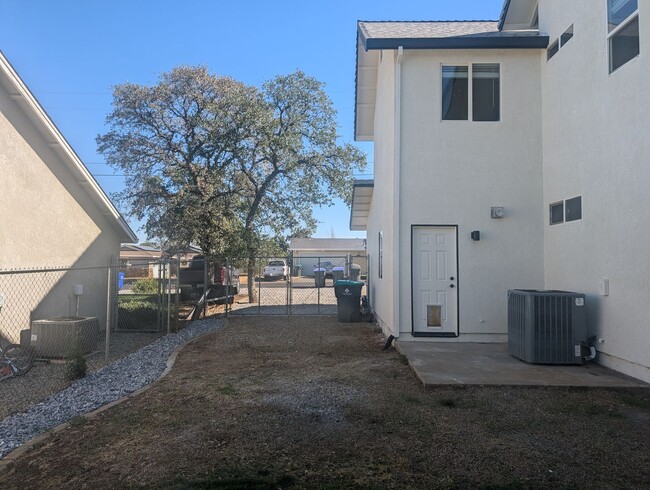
(48, 220)
(595, 144)
(381, 211)
(452, 172)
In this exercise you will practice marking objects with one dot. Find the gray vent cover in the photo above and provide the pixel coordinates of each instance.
(546, 327)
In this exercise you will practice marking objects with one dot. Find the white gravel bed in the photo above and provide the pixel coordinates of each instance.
(108, 384)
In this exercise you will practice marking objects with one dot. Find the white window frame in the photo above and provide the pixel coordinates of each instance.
(550, 212)
(470, 92)
(634, 15)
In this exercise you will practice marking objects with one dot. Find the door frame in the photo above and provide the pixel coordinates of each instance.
(437, 334)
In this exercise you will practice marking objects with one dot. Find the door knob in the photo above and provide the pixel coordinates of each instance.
(452, 278)
(452, 286)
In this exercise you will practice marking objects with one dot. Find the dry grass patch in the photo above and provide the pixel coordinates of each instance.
(311, 403)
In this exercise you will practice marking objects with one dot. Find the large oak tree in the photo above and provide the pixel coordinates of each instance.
(212, 161)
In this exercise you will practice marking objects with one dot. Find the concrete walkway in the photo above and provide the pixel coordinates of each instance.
(490, 364)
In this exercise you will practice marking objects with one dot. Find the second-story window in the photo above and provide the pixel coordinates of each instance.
(623, 25)
(455, 93)
(473, 89)
(485, 92)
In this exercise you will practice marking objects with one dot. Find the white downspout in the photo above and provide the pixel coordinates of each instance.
(396, 192)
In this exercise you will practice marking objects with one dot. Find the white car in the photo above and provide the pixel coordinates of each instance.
(276, 269)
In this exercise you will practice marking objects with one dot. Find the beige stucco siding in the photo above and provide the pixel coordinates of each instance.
(452, 172)
(48, 220)
(595, 144)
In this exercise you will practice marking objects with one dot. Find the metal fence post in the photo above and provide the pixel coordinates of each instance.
(227, 285)
(290, 285)
(109, 309)
(178, 293)
(260, 274)
(168, 267)
(205, 286)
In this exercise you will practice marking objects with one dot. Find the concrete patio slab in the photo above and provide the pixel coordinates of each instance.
(491, 364)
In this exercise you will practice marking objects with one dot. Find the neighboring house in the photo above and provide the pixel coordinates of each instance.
(140, 260)
(188, 254)
(53, 212)
(509, 154)
(309, 252)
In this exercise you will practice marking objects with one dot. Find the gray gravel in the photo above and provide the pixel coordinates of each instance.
(47, 378)
(108, 384)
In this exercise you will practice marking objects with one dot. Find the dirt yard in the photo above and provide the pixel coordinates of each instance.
(311, 403)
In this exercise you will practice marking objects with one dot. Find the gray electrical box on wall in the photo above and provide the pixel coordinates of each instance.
(497, 212)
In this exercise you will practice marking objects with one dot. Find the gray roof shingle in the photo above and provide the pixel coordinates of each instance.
(410, 30)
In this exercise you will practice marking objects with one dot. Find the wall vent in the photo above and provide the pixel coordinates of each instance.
(546, 327)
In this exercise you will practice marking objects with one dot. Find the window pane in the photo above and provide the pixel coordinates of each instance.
(619, 10)
(552, 50)
(485, 92)
(624, 45)
(455, 93)
(557, 213)
(574, 209)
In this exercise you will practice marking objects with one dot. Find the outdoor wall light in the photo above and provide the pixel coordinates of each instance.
(476, 236)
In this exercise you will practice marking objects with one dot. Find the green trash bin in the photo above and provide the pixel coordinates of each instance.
(348, 300)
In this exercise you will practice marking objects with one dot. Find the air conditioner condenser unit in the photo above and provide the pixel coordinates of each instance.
(547, 327)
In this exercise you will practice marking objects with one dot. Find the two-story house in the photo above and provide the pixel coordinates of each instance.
(509, 154)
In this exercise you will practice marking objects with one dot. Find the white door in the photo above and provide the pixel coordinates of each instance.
(435, 281)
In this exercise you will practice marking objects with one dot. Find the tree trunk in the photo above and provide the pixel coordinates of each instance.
(252, 296)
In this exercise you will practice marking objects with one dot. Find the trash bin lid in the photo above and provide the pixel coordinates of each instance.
(337, 268)
(319, 269)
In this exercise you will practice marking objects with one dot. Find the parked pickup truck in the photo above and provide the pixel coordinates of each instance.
(276, 269)
(219, 277)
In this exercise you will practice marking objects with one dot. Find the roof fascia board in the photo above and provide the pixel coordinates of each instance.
(504, 14)
(47, 123)
(364, 184)
(514, 42)
(356, 79)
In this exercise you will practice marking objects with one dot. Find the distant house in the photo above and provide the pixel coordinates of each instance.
(139, 261)
(310, 252)
(509, 154)
(53, 213)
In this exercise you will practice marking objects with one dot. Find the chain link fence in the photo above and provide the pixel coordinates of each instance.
(104, 313)
(98, 313)
(293, 285)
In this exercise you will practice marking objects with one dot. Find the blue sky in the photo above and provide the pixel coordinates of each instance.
(71, 52)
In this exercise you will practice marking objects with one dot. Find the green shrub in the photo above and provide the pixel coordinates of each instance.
(75, 367)
(133, 314)
(145, 286)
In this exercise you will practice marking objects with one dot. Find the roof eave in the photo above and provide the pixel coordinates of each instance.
(42, 118)
(469, 42)
(504, 14)
(359, 184)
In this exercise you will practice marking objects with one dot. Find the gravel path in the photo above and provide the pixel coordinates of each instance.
(47, 378)
(108, 384)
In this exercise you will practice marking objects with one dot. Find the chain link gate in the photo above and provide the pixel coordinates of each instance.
(293, 285)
